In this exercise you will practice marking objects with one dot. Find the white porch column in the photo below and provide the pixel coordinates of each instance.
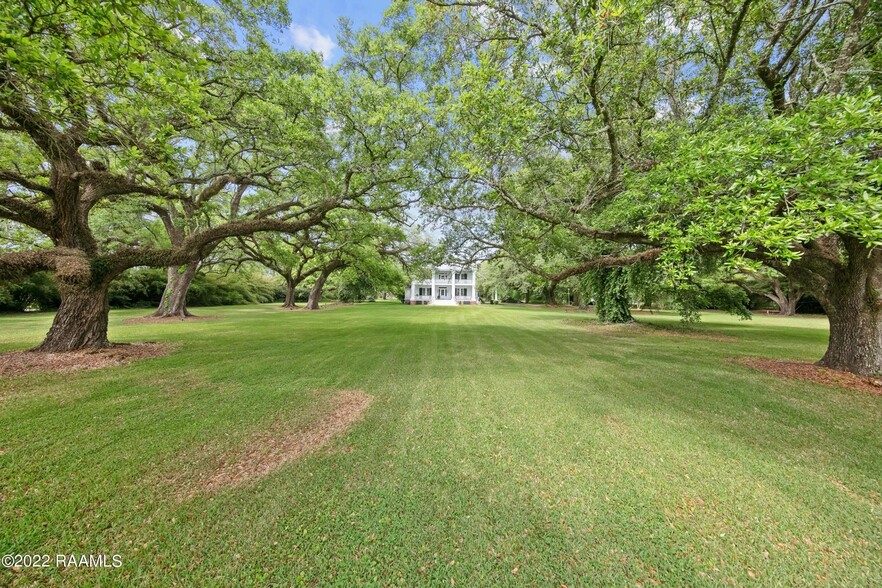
(412, 290)
(474, 285)
(432, 297)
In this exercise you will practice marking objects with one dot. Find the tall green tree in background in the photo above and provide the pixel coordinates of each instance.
(770, 285)
(361, 244)
(266, 154)
(295, 258)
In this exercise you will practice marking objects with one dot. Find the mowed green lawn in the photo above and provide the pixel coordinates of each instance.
(504, 446)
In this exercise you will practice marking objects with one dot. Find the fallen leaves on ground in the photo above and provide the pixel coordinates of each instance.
(19, 363)
(801, 370)
(269, 450)
(146, 320)
(640, 328)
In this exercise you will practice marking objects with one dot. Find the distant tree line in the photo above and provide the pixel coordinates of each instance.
(144, 288)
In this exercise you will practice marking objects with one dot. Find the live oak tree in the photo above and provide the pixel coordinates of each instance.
(367, 281)
(810, 182)
(746, 131)
(162, 112)
(96, 98)
(369, 247)
(264, 154)
(771, 285)
(357, 243)
(551, 253)
(293, 257)
(503, 279)
(361, 141)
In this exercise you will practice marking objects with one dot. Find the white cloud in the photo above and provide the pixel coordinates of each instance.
(311, 39)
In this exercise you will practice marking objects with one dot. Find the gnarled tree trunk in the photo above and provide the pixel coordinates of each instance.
(855, 340)
(174, 297)
(854, 308)
(785, 299)
(315, 295)
(290, 285)
(81, 320)
(787, 306)
(845, 276)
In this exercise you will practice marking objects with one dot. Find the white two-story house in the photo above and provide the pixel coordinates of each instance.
(448, 285)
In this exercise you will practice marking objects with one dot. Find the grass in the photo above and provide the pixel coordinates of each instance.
(504, 447)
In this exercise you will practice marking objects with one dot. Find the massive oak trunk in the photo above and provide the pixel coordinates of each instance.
(174, 297)
(787, 307)
(81, 320)
(846, 278)
(854, 309)
(855, 341)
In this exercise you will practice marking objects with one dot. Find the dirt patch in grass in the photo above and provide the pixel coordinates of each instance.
(19, 363)
(801, 370)
(666, 331)
(268, 451)
(639, 328)
(328, 306)
(604, 328)
(146, 320)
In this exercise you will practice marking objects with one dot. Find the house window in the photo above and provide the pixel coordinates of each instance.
(463, 276)
(443, 276)
(462, 291)
(425, 291)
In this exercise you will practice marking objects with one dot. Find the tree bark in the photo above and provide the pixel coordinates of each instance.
(174, 297)
(855, 342)
(551, 294)
(81, 320)
(787, 306)
(315, 295)
(290, 285)
(785, 299)
(854, 309)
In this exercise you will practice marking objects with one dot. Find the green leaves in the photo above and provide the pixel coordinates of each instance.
(772, 185)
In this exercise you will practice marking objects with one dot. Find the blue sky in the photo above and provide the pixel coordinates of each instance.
(314, 23)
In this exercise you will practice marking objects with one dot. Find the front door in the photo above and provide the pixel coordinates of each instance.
(442, 293)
